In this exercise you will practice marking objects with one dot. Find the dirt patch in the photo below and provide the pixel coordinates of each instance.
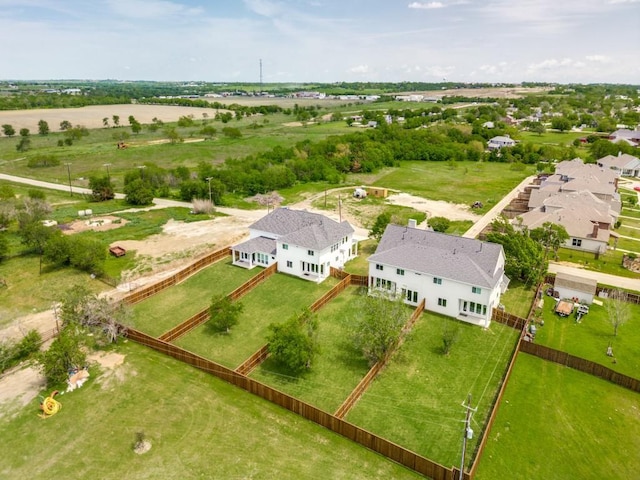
(96, 224)
(19, 387)
(434, 208)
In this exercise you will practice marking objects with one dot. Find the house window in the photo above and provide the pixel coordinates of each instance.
(379, 267)
(311, 253)
(442, 302)
(437, 281)
(289, 264)
(412, 296)
(399, 271)
(576, 242)
(285, 246)
(476, 290)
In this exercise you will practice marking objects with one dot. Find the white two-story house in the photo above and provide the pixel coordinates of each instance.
(458, 277)
(303, 244)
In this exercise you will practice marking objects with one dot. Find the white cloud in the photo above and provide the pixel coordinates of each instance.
(360, 69)
(151, 9)
(425, 5)
(265, 8)
(598, 58)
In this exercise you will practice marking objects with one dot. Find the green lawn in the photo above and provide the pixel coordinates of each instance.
(174, 305)
(556, 422)
(629, 212)
(198, 427)
(28, 291)
(518, 298)
(360, 265)
(416, 401)
(273, 301)
(464, 183)
(554, 138)
(590, 338)
(337, 368)
(610, 262)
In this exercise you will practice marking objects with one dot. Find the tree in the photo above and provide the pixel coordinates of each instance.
(618, 309)
(138, 192)
(380, 225)
(232, 132)
(551, 235)
(208, 131)
(65, 125)
(439, 224)
(561, 123)
(24, 144)
(24, 132)
(293, 344)
(43, 128)
(173, 135)
(116, 120)
(136, 128)
(8, 130)
(377, 325)
(105, 122)
(64, 354)
(224, 314)
(450, 335)
(101, 188)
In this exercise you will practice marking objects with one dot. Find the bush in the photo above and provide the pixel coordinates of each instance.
(43, 161)
(13, 353)
(203, 206)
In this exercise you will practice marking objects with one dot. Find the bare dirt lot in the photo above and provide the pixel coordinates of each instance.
(91, 117)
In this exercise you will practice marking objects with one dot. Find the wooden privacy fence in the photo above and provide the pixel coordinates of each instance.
(203, 315)
(508, 319)
(253, 361)
(199, 264)
(331, 294)
(581, 364)
(367, 439)
(355, 279)
(366, 381)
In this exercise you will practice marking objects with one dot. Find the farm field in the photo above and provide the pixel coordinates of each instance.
(590, 338)
(337, 368)
(174, 305)
(556, 422)
(265, 304)
(416, 400)
(198, 427)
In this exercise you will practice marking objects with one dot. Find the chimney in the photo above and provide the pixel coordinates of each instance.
(596, 227)
(412, 223)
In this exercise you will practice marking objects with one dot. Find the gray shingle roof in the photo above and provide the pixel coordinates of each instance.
(258, 244)
(461, 259)
(302, 228)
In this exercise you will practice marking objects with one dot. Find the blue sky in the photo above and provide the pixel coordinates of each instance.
(322, 40)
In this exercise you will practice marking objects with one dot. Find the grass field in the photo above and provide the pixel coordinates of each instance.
(555, 422)
(590, 338)
(416, 401)
(518, 298)
(336, 369)
(610, 262)
(552, 138)
(464, 183)
(174, 305)
(198, 427)
(267, 303)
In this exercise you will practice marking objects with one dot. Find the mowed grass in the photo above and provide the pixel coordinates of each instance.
(274, 301)
(590, 338)
(556, 422)
(28, 291)
(416, 401)
(174, 305)
(465, 182)
(337, 367)
(518, 298)
(198, 427)
(610, 262)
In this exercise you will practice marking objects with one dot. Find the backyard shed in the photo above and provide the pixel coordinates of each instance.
(572, 286)
(377, 192)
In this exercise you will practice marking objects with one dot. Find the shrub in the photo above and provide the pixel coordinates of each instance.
(43, 161)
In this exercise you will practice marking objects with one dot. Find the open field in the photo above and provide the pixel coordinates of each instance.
(518, 298)
(416, 401)
(197, 425)
(590, 338)
(173, 306)
(265, 304)
(610, 262)
(337, 367)
(555, 422)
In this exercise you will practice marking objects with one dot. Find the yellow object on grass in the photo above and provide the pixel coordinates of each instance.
(50, 406)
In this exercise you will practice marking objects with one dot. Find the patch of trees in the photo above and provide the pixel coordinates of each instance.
(43, 161)
(293, 343)
(12, 353)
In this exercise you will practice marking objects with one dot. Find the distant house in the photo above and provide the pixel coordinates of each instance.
(626, 165)
(500, 141)
(630, 137)
(303, 244)
(459, 277)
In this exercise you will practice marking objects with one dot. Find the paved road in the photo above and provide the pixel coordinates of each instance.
(603, 278)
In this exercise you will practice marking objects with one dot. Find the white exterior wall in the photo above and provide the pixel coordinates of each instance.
(582, 297)
(588, 245)
(455, 293)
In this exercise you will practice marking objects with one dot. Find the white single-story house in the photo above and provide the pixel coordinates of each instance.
(459, 277)
(572, 286)
(626, 165)
(303, 244)
(500, 141)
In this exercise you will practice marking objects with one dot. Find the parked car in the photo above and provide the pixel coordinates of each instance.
(637, 189)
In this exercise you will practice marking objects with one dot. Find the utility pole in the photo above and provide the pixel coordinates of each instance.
(69, 174)
(340, 207)
(468, 433)
(209, 180)
(108, 175)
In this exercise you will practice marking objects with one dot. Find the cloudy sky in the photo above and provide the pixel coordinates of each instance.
(322, 40)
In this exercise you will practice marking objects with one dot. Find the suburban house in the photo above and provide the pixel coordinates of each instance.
(624, 135)
(303, 244)
(459, 277)
(500, 141)
(582, 198)
(624, 164)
